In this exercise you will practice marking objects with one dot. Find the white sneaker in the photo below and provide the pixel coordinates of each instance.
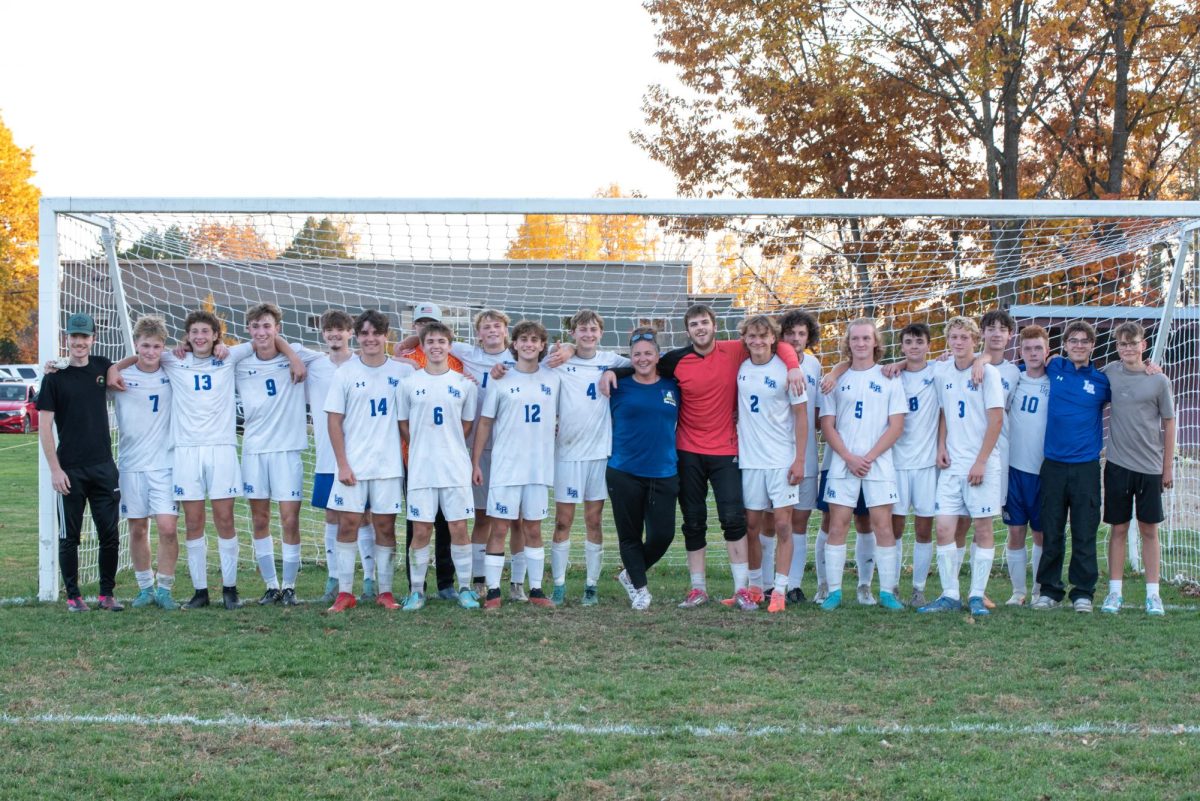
(516, 592)
(822, 593)
(1112, 603)
(1154, 606)
(1017, 599)
(1044, 602)
(865, 597)
(1082, 605)
(1037, 593)
(641, 600)
(623, 577)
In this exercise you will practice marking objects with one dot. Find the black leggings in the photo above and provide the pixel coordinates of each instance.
(95, 486)
(639, 503)
(696, 472)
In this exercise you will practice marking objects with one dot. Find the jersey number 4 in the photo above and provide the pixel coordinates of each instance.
(379, 407)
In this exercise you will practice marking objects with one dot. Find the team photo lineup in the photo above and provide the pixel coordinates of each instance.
(468, 443)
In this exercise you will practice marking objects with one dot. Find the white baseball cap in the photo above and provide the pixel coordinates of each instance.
(427, 311)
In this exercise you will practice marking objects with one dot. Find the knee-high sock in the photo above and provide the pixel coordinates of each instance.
(291, 564)
(864, 558)
(264, 557)
(517, 572)
(478, 551)
(1036, 561)
(366, 551)
(560, 555)
(1016, 570)
(768, 556)
(227, 549)
(463, 560)
(197, 560)
(819, 557)
(331, 530)
(593, 557)
(981, 569)
(493, 566)
(922, 560)
(888, 561)
(535, 561)
(799, 559)
(418, 564)
(947, 559)
(385, 567)
(741, 575)
(835, 565)
(347, 553)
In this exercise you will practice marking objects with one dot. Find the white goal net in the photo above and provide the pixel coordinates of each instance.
(635, 262)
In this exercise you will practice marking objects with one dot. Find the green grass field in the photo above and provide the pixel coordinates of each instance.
(582, 703)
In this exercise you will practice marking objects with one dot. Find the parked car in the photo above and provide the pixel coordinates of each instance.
(29, 373)
(18, 407)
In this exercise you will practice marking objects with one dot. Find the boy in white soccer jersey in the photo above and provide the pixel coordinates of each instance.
(861, 419)
(274, 437)
(772, 431)
(437, 409)
(582, 449)
(363, 410)
(969, 484)
(520, 415)
(144, 461)
(1026, 450)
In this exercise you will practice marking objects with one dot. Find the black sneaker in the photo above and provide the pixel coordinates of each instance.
(199, 600)
(288, 597)
(796, 596)
(109, 603)
(269, 597)
(230, 596)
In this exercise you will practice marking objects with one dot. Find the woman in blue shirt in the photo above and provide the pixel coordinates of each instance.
(642, 477)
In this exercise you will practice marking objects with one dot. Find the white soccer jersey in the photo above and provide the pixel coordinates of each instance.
(479, 363)
(766, 427)
(203, 410)
(584, 424)
(1027, 424)
(273, 406)
(525, 409)
(143, 421)
(917, 446)
(1010, 377)
(369, 400)
(964, 406)
(812, 378)
(316, 388)
(863, 401)
(435, 406)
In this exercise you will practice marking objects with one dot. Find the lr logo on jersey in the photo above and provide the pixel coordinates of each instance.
(1089, 387)
(572, 492)
(875, 387)
(454, 392)
(546, 390)
(770, 382)
(501, 509)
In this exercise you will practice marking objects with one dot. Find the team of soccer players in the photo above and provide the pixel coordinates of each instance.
(956, 442)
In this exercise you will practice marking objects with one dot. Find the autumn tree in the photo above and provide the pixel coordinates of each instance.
(322, 239)
(213, 239)
(584, 237)
(18, 243)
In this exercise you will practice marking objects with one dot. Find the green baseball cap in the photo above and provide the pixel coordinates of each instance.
(81, 324)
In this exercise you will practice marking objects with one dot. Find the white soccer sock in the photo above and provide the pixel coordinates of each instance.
(593, 557)
(981, 570)
(535, 562)
(166, 581)
(144, 578)
(197, 559)
(493, 566)
(264, 557)
(947, 559)
(366, 550)
(864, 557)
(1151, 589)
(228, 549)
(519, 565)
(478, 552)
(799, 559)
(464, 562)
(889, 567)
(819, 557)
(560, 554)
(922, 559)
(385, 567)
(1016, 570)
(291, 564)
(1036, 562)
(331, 549)
(1115, 585)
(754, 577)
(741, 575)
(699, 581)
(418, 566)
(959, 555)
(768, 557)
(347, 553)
(835, 565)
(781, 583)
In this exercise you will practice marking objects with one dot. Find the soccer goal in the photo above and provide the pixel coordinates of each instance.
(636, 262)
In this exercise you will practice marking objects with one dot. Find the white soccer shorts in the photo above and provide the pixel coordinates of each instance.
(147, 493)
(384, 496)
(456, 503)
(844, 491)
(576, 482)
(917, 490)
(528, 502)
(277, 476)
(956, 497)
(806, 494)
(206, 471)
(764, 489)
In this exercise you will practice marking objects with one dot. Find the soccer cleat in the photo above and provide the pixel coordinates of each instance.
(917, 599)
(796, 596)
(1017, 599)
(344, 601)
(988, 602)
(198, 601)
(558, 596)
(109, 603)
(627, 585)
(229, 595)
(1082, 605)
(387, 600)
(1112, 603)
(516, 592)
(977, 607)
(889, 601)
(467, 599)
(538, 598)
(1044, 602)
(77, 605)
(832, 600)
(479, 586)
(414, 602)
(331, 590)
(943, 604)
(1154, 606)
(271, 596)
(493, 599)
(591, 596)
(162, 597)
(822, 593)
(144, 598)
(694, 598)
(756, 594)
(641, 601)
(865, 598)
(778, 602)
(368, 593)
(744, 599)
(447, 594)
(288, 597)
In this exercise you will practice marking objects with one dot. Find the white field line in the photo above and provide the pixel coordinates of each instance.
(19, 445)
(598, 729)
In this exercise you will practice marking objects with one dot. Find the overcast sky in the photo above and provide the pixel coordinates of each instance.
(524, 98)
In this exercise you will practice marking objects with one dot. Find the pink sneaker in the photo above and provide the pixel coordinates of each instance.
(694, 598)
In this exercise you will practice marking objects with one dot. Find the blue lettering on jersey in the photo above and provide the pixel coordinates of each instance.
(414, 511)
(218, 362)
(337, 500)
(875, 387)
(501, 508)
(248, 487)
(572, 492)
(454, 392)
(178, 490)
(393, 382)
(770, 382)
(546, 390)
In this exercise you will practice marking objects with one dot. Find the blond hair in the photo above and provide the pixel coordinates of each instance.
(844, 348)
(150, 327)
(967, 324)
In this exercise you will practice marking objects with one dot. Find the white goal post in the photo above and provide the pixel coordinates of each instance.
(636, 261)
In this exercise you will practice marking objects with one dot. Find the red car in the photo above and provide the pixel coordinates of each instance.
(18, 408)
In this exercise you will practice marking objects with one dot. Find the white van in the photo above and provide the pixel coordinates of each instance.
(29, 373)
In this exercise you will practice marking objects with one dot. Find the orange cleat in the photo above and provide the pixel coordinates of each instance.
(493, 600)
(988, 602)
(538, 598)
(343, 602)
(778, 602)
(756, 594)
(387, 600)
